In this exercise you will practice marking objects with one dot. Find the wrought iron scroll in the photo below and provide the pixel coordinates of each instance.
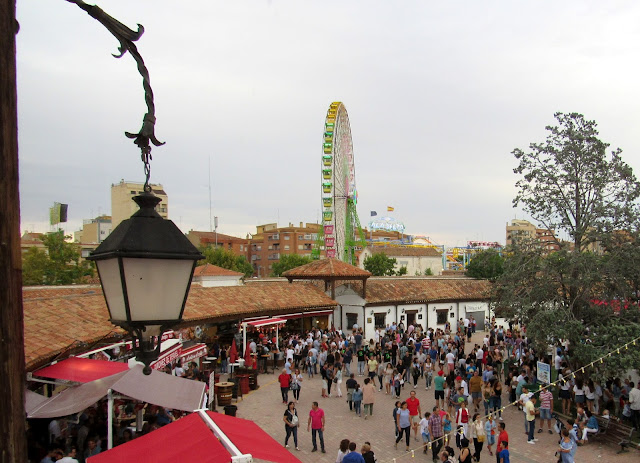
(126, 37)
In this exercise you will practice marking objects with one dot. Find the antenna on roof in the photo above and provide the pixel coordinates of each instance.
(210, 225)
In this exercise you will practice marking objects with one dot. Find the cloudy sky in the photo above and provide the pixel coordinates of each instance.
(438, 95)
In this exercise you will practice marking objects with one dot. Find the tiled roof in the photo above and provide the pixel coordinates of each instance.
(210, 270)
(397, 251)
(326, 268)
(55, 318)
(405, 290)
(211, 236)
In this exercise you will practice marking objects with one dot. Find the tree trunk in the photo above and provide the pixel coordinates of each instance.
(13, 446)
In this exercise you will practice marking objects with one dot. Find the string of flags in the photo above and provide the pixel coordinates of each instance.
(581, 370)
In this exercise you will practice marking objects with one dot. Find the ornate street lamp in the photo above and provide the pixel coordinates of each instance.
(146, 264)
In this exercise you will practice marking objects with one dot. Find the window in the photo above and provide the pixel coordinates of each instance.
(133, 192)
(241, 247)
(352, 319)
(300, 247)
(441, 316)
(286, 237)
(300, 237)
(286, 247)
(270, 247)
(259, 248)
(380, 320)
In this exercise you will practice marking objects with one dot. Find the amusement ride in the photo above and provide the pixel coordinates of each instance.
(341, 234)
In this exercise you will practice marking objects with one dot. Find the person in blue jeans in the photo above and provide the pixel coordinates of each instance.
(316, 425)
(357, 400)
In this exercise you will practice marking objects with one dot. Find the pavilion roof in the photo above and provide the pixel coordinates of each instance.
(326, 269)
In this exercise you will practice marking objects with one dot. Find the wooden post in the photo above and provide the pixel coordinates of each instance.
(13, 445)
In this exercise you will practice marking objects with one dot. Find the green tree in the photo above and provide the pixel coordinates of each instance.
(226, 259)
(59, 265)
(487, 264)
(428, 272)
(287, 262)
(570, 185)
(379, 264)
(402, 271)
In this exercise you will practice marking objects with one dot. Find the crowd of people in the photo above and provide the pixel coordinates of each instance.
(470, 382)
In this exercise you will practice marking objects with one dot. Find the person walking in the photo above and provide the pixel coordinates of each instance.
(439, 383)
(368, 397)
(338, 380)
(285, 382)
(316, 425)
(351, 387)
(357, 400)
(342, 450)
(296, 384)
(478, 434)
(291, 424)
(403, 423)
(413, 404)
(503, 440)
(388, 378)
(436, 432)
(490, 431)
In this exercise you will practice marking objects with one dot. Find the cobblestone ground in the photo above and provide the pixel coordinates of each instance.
(265, 407)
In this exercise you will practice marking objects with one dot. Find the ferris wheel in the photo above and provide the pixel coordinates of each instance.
(342, 234)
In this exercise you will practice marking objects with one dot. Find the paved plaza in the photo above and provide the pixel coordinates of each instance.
(264, 406)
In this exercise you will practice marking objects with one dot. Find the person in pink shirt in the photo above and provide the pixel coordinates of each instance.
(316, 424)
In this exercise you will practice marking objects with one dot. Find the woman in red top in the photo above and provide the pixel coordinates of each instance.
(285, 382)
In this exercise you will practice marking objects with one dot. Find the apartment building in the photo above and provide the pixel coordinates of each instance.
(123, 206)
(519, 230)
(94, 230)
(271, 241)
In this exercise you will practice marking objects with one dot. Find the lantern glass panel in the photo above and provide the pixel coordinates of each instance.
(112, 285)
(156, 287)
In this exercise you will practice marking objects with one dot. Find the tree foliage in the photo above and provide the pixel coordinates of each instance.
(379, 264)
(402, 271)
(487, 264)
(59, 265)
(585, 291)
(287, 262)
(569, 183)
(224, 258)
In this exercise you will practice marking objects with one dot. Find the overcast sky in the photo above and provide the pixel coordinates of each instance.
(438, 95)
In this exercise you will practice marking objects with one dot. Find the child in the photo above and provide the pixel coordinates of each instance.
(424, 430)
(446, 427)
(357, 400)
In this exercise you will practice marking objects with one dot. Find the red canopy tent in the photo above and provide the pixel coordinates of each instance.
(203, 436)
(81, 370)
(187, 439)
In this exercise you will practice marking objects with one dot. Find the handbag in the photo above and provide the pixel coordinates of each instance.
(294, 420)
(481, 438)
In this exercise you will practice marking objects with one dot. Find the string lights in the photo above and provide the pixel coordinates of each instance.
(502, 409)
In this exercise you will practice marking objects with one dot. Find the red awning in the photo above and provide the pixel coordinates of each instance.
(307, 314)
(250, 438)
(81, 370)
(188, 439)
(267, 321)
(194, 352)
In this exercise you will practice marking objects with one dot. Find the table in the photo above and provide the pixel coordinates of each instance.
(233, 366)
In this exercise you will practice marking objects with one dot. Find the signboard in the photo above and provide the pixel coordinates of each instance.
(475, 308)
(330, 253)
(167, 357)
(328, 229)
(544, 372)
(195, 352)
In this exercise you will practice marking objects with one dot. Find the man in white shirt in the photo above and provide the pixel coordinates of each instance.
(479, 356)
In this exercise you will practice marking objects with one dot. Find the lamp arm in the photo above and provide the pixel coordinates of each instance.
(126, 37)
